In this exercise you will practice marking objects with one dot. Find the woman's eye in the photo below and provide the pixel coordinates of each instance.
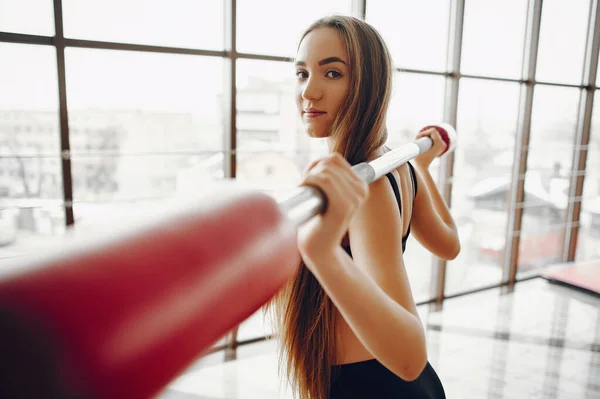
(333, 74)
(301, 74)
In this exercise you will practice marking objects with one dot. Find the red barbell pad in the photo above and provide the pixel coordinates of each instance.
(122, 317)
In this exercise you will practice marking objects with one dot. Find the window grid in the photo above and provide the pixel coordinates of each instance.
(453, 76)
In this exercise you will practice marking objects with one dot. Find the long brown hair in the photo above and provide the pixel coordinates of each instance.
(304, 316)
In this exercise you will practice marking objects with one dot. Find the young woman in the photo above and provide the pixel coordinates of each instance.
(347, 321)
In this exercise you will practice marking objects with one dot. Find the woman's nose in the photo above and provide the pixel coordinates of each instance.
(312, 90)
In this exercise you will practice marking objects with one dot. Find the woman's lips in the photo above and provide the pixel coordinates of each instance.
(314, 114)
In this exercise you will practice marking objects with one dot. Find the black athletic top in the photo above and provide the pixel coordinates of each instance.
(394, 184)
(371, 379)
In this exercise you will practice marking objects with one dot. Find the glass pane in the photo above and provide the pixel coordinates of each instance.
(541, 242)
(588, 242)
(176, 23)
(273, 149)
(417, 101)
(416, 32)
(29, 177)
(489, 48)
(266, 107)
(553, 124)
(487, 124)
(563, 33)
(31, 187)
(17, 16)
(31, 204)
(29, 226)
(260, 34)
(28, 100)
(133, 102)
(109, 178)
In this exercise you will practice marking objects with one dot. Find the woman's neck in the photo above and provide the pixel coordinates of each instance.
(374, 154)
(330, 143)
(377, 153)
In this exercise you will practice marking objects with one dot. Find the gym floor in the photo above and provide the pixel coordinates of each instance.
(539, 341)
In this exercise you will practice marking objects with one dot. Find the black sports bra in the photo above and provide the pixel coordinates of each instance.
(396, 189)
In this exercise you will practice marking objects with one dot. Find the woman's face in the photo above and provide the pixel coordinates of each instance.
(322, 80)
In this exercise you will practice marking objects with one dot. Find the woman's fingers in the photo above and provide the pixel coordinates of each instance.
(357, 183)
(331, 187)
(344, 190)
(438, 145)
(431, 132)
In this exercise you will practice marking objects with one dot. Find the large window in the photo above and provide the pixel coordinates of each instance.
(148, 100)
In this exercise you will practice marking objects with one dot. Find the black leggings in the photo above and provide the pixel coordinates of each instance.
(371, 379)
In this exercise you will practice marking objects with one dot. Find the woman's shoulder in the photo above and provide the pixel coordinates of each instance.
(380, 208)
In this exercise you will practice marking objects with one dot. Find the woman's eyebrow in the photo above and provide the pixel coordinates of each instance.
(324, 61)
